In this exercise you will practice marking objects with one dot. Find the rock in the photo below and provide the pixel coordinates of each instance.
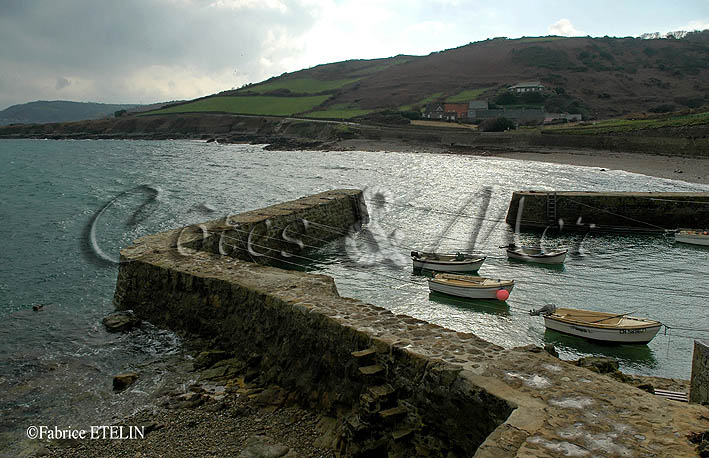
(549, 348)
(124, 380)
(37, 307)
(272, 396)
(262, 447)
(210, 358)
(150, 426)
(600, 364)
(647, 387)
(121, 321)
(184, 401)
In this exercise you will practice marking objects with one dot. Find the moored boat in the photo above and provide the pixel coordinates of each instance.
(471, 287)
(599, 326)
(693, 236)
(459, 262)
(529, 254)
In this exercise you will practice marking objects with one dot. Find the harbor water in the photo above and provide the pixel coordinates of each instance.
(68, 207)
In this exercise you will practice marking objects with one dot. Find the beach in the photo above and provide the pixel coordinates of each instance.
(690, 169)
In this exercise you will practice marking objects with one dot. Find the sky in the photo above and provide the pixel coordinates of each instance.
(148, 51)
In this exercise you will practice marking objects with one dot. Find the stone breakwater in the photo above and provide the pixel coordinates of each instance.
(609, 211)
(397, 385)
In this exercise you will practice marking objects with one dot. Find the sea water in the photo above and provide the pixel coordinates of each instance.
(68, 207)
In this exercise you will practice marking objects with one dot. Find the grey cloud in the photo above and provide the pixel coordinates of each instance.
(105, 42)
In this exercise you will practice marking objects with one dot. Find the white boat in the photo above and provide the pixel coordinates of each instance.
(469, 286)
(693, 236)
(459, 262)
(599, 326)
(538, 255)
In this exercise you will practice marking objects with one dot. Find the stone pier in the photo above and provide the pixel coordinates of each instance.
(398, 386)
(610, 211)
(699, 384)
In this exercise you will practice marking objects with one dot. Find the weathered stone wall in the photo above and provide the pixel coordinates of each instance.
(636, 211)
(699, 386)
(399, 386)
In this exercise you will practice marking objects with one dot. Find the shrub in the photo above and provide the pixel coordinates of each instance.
(664, 108)
(506, 98)
(500, 124)
(690, 102)
(413, 115)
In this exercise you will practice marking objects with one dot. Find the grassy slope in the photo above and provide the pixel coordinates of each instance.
(300, 85)
(610, 76)
(614, 126)
(467, 95)
(256, 105)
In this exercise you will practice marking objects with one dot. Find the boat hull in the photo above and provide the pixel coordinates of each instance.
(443, 266)
(694, 239)
(471, 293)
(620, 336)
(555, 258)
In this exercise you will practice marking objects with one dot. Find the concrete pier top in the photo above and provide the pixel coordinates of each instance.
(447, 392)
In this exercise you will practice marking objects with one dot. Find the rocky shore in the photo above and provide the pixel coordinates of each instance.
(231, 412)
(675, 154)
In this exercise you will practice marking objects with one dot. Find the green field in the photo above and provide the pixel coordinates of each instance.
(467, 95)
(300, 85)
(611, 126)
(338, 111)
(421, 102)
(254, 105)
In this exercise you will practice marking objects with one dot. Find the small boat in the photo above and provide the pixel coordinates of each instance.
(599, 326)
(539, 255)
(693, 236)
(459, 262)
(469, 286)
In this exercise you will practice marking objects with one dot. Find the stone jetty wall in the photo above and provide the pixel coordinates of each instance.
(699, 385)
(610, 211)
(397, 385)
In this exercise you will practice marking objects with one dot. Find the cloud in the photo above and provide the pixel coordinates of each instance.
(61, 83)
(564, 28)
(105, 51)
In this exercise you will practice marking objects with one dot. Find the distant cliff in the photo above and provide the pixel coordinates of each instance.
(59, 111)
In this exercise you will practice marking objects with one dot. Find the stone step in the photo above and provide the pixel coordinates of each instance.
(374, 369)
(381, 392)
(402, 433)
(364, 354)
(394, 412)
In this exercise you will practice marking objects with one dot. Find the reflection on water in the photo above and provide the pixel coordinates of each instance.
(493, 307)
(628, 354)
(555, 267)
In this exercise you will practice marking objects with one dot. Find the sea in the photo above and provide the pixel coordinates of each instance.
(68, 207)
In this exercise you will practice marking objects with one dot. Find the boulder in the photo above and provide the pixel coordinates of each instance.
(600, 364)
(121, 321)
(124, 380)
(263, 447)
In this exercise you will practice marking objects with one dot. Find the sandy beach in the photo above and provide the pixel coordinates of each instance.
(692, 170)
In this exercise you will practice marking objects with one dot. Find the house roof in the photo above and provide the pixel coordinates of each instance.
(477, 104)
(527, 84)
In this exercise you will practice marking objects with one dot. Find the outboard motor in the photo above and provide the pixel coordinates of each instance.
(546, 310)
(415, 254)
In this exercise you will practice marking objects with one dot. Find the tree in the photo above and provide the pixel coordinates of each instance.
(500, 124)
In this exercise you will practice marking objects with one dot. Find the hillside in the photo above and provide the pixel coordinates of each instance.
(58, 111)
(598, 77)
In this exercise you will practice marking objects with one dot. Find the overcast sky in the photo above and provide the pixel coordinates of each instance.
(145, 51)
